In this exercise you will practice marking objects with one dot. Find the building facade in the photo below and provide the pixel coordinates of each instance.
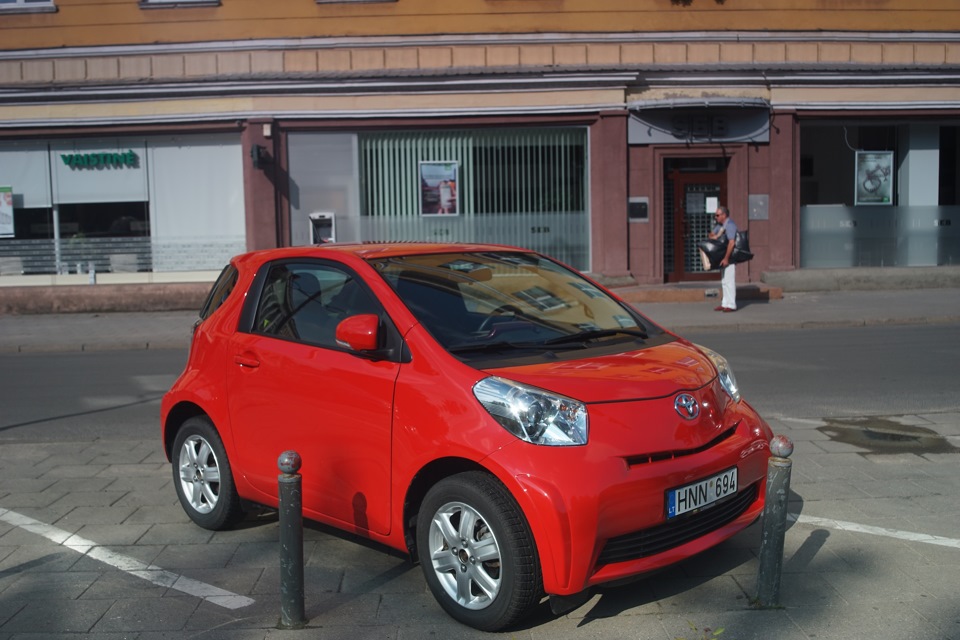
(151, 140)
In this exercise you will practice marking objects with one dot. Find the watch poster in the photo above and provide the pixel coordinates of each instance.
(874, 178)
(438, 189)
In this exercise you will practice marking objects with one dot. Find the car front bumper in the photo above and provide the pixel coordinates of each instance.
(600, 515)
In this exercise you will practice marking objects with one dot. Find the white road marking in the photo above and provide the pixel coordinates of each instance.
(150, 573)
(909, 536)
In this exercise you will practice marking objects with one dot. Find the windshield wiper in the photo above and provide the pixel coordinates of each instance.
(594, 334)
(497, 347)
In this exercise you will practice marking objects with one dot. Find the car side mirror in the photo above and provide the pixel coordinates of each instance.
(359, 333)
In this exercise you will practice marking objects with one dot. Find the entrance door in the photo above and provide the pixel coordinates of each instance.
(695, 198)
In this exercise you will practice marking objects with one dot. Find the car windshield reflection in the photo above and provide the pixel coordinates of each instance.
(497, 302)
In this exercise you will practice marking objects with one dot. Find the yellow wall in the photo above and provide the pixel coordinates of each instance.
(114, 22)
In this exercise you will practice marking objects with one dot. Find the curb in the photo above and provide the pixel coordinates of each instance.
(103, 298)
(89, 347)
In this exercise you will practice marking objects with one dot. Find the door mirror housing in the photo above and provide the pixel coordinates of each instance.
(359, 333)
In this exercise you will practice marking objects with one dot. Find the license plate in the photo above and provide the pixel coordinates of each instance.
(701, 494)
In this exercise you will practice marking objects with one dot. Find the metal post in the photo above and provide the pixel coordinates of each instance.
(291, 542)
(774, 522)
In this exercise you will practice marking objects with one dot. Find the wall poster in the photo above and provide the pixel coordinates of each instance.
(438, 188)
(874, 178)
(6, 212)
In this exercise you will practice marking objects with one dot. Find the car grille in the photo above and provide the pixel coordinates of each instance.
(680, 453)
(668, 535)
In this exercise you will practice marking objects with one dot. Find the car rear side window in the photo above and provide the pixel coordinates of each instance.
(306, 301)
(219, 292)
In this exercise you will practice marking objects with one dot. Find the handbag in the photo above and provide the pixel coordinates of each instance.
(711, 253)
(741, 248)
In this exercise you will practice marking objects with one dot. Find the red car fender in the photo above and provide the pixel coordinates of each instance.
(546, 511)
(547, 508)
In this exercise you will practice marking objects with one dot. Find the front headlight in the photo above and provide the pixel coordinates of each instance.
(532, 414)
(727, 380)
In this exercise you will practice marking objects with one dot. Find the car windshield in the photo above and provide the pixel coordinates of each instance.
(503, 302)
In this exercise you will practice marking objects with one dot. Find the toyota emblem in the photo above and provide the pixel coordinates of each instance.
(687, 406)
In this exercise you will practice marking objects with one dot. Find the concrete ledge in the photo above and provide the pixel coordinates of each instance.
(102, 298)
(865, 278)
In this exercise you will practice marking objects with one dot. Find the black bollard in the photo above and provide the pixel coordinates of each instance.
(774, 522)
(291, 542)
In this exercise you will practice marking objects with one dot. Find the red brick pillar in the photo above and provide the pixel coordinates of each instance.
(260, 172)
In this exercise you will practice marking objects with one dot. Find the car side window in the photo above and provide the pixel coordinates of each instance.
(219, 292)
(306, 301)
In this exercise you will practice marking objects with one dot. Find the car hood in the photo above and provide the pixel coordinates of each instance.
(655, 372)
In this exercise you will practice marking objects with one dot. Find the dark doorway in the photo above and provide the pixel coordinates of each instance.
(693, 187)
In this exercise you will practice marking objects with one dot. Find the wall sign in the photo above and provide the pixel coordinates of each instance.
(684, 125)
(103, 159)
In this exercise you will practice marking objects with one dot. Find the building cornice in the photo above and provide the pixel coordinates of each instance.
(496, 39)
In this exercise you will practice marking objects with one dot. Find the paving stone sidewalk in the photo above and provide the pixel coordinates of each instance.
(93, 544)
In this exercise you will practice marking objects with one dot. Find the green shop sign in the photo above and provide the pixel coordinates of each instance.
(90, 160)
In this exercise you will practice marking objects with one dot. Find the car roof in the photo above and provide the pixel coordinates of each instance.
(372, 250)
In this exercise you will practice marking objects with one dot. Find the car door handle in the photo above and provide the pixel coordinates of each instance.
(247, 360)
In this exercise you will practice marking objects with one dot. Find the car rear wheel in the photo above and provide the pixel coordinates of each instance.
(202, 476)
(477, 552)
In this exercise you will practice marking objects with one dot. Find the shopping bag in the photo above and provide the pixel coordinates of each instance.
(741, 248)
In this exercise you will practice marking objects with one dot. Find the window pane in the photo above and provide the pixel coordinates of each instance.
(521, 186)
(305, 302)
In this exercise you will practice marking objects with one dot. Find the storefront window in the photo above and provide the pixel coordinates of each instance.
(104, 220)
(525, 186)
(166, 203)
(33, 224)
(879, 194)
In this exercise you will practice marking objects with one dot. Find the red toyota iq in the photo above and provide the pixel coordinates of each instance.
(515, 427)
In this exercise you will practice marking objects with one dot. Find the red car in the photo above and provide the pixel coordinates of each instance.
(508, 422)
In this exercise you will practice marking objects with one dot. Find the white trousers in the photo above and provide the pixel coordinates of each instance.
(728, 284)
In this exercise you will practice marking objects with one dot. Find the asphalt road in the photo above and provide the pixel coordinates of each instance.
(77, 396)
(843, 373)
(847, 372)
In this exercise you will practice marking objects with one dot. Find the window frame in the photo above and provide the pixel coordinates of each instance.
(28, 6)
(177, 4)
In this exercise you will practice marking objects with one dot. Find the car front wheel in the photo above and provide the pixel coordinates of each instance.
(477, 552)
(202, 476)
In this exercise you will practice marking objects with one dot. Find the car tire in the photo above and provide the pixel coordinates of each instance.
(202, 476)
(477, 552)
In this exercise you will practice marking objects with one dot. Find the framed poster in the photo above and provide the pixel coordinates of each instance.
(6, 212)
(874, 178)
(438, 189)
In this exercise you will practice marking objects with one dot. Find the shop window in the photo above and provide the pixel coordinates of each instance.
(33, 224)
(528, 171)
(828, 160)
(524, 186)
(847, 219)
(104, 220)
(27, 5)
